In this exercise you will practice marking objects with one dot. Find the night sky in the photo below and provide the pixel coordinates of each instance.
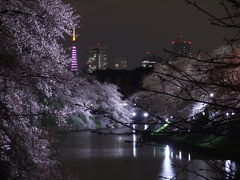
(131, 27)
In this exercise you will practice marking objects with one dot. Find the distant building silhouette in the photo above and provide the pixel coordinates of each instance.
(149, 60)
(128, 81)
(120, 63)
(97, 58)
(181, 47)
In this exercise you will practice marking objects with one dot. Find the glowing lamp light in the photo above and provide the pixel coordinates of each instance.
(134, 114)
(173, 42)
(145, 114)
(190, 42)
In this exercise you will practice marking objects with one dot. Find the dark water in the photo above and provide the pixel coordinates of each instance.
(96, 157)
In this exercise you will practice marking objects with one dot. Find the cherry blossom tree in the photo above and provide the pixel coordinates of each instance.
(38, 91)
(203, 82)
(201, 92)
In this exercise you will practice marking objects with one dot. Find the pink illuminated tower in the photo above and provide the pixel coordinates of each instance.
(74, 63)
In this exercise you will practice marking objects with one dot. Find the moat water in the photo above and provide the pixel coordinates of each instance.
(90, 156)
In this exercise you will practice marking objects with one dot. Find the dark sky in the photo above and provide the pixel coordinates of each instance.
(131, 27)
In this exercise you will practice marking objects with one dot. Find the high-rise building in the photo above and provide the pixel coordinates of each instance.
(120, 63)
(180, 47)
(74, 62)
(97, 58)
(149, 60)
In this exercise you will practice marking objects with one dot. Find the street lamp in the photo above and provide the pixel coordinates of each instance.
(211, 94)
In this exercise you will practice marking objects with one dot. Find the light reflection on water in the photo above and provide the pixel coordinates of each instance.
(189, 157)
(86, 153)
(180, 155)
(145, 127)
(134, 145)
(167, 169)
(134, 139)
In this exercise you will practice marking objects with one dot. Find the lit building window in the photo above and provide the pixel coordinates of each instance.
(97, 57)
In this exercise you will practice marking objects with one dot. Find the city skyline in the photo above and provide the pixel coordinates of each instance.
(145, 25)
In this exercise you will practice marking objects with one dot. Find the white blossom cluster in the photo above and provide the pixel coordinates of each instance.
(188, 86)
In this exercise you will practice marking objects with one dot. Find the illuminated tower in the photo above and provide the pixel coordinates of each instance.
(74, 63)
